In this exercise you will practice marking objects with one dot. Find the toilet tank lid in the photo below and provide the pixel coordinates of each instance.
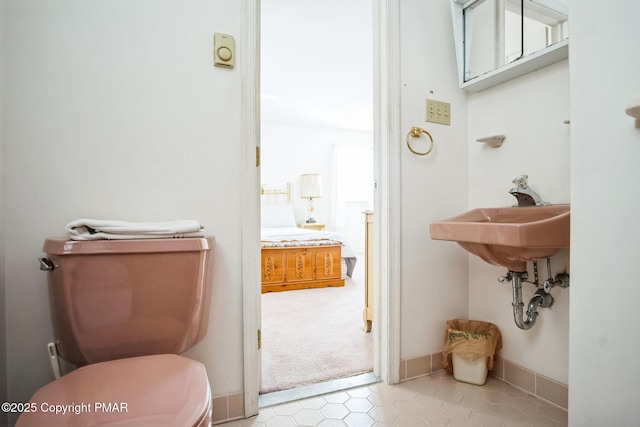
(64, 246)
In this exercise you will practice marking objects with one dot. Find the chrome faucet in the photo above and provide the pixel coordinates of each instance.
(525, 195)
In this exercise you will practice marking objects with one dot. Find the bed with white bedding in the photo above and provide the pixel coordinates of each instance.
(297, 258)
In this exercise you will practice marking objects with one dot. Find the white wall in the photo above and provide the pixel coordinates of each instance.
(434, 279)
(289, 150)
(114, 110)
(605, 148)
(530, 111)
(316, 62)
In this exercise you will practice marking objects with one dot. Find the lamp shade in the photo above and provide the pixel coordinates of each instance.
(310, 186)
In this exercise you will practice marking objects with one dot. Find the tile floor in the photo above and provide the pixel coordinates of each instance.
(437, 400)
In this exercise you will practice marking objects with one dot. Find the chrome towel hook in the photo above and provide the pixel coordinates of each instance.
(416, 132)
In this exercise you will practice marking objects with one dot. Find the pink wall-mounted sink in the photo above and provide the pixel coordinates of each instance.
(508, 236)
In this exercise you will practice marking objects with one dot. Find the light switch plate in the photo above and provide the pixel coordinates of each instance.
(224, 52)
(438, 112)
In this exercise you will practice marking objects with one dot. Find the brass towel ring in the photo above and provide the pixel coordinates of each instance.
(417, 132)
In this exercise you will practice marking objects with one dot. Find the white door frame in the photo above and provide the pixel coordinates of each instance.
(386, 36)
(386, 99)
(250, 141)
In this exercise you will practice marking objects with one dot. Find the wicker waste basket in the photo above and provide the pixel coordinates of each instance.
(469, 347)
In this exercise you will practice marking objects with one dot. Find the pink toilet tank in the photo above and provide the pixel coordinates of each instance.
(112, 299)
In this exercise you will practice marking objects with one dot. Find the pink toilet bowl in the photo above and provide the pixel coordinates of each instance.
(161, 391)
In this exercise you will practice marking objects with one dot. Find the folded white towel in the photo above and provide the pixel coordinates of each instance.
(96, 229)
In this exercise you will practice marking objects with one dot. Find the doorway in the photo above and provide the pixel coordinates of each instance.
(317, 118)
(386, 43)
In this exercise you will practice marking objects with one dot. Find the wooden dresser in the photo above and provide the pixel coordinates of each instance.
(367, 313)
(301, 267)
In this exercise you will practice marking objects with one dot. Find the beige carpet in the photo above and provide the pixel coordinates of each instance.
(314, 335)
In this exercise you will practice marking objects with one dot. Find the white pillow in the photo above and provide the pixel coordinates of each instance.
(277, 216)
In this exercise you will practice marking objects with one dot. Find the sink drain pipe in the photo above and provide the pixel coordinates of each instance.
(542, 297)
